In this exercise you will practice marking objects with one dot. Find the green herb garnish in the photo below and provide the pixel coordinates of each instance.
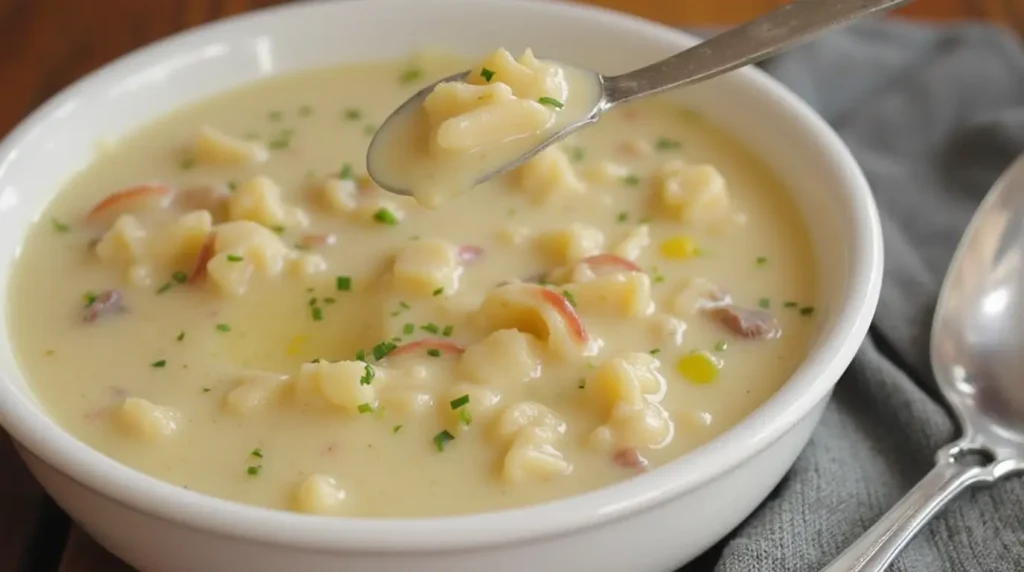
(234, 258)
(159, 363)
(431, 327)
(721, 346)
(807, 310)
(761, 260)
(254, 470)
(381, 350)
(347, 173)
(223, 327)
(317, 313)
(569, 298)
(447, 332)
(552, 102)
(187, 163)
(343, 283)
(364, 408)
(368, 374)
(623, 216)
(442, 439)
(181, 336)
(409, 328)
(410, 75)
(459, 401)
(654, 351)
(438, 291)
(257, 452)
(486, 74)
(396, 428)
(666, 144)
(60, 226)
(791, 304)
(385, 216)
(434, 352)
(180, 277)
(465, 417)
(764, 303)
(631, 180)
(353, 114)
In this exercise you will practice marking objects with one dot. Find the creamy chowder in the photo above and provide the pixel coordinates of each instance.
(224, 300)
(466, 128)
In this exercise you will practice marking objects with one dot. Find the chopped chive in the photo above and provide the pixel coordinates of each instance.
(165, 287)
(275, 116)
(447, 332)
(486, 74)
(431, 327)
(569, 298)
(465, 417)
(207, 390)
(434, 352)
(403, 305)
(89, 298)
(278, 229)
(807, 310)
(459, 401)
(623, 216)
(577, 154)
(317, 313)
(410, 75)
(761, 260)
(656, 275)
(582, 383)
(343, 283)
(438, 291)
(180, 277)
(59, 226)
(181, 336)
(312, 301)
(329, 300)
(368, 374)
(369, 129)
(224, 327)
(232, 185)
(257, 452)
(654, 351)
(631, 180)
(305, 111)
(364, 408)
(408, 328)
(346, 173)
(396, 428)
(764, 303)
(791, 304)
(353, 114)
(666, 144)
(187, 163)
(254, 470)
(721, 346)
(281, 143)
(235, 258)
(385, 216)
(552, 102)
(361, 355)
(159, 363)
(381, 350)
(442, 439)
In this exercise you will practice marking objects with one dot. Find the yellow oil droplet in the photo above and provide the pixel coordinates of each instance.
(698, 367)
(296, 345)
(679, 247)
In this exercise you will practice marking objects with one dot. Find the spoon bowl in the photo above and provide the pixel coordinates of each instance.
(977, 354)
(775, 31)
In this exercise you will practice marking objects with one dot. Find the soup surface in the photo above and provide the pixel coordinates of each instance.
(224, 301)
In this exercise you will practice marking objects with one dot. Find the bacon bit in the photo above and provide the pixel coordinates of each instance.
(750, 323)
(211, 198)
(630, 459)
(446, 347)
(106, 302)
(205, 254)
(611, 262)
(469, 252)
(564, 308)
(317, 240)
(130, 199)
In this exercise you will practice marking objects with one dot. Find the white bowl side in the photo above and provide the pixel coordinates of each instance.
(59, 138)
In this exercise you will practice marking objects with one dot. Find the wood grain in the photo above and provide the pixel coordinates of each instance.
(50, 43)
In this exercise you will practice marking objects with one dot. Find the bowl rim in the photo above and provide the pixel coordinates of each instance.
(43, 438)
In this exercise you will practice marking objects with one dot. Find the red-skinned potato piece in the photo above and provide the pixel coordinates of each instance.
(611, 262)
(128, 200)
(205, 254)
(446, 347)
(630, 459)
(749, 323)
(469, 253)
(564, 308)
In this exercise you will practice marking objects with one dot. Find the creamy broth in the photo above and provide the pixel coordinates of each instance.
(466, 129)
(224, 301)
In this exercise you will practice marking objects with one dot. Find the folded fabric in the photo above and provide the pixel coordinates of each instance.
(933, 115)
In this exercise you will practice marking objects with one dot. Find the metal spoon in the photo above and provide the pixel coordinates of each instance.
(749, 43)
(977, 352)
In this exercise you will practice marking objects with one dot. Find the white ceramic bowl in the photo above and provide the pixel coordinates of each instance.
(653, 522)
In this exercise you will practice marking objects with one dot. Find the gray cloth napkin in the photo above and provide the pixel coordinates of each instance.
(932, 115)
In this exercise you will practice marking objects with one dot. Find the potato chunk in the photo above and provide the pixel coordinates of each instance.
(145, 420)
(213, 147)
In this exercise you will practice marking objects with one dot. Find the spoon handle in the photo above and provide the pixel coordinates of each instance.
(876, 549)
(746, 44)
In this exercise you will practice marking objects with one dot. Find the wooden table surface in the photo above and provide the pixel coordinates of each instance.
(50, 43)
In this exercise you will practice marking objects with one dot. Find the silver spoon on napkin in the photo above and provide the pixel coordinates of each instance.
(782, 28)
(977, 351)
